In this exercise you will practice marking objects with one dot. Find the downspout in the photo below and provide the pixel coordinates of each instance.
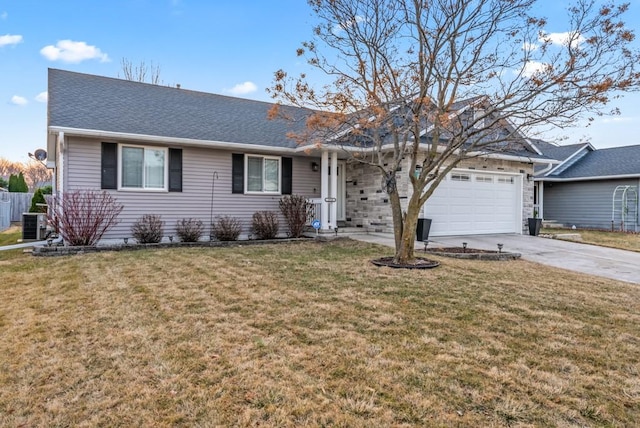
(545, 169)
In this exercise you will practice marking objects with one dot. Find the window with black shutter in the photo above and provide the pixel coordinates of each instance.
(109, 179)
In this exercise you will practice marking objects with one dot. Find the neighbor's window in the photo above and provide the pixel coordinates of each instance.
(263, 174)
(143, 168)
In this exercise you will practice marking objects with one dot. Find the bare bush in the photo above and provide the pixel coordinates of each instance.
(296, 211)
(189, 229)
(226, 228)
(82, 217)
(265, 224)
(148, 229)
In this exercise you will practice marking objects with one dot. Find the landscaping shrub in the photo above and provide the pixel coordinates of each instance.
(296, 211)
(189, 229)
(265, 224)
(226, 228)
(82, 217)
(38, 198)
(148, 229)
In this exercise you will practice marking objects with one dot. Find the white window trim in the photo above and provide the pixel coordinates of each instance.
(246, 175)
(143, 189)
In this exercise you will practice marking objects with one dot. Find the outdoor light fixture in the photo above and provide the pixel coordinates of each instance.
(464, 247)
(529, 177)
(126, 241)
(170, 238)
(500, 247)
(314, 166)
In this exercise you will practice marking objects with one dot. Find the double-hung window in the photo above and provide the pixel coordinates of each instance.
(262, 174)
(143, 168)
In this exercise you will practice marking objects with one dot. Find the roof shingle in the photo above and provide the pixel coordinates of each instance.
(84, 101)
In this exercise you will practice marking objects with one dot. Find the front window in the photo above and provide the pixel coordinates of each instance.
(263, 174)
(143, 168)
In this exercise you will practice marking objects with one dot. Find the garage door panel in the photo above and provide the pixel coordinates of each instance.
(485, 203)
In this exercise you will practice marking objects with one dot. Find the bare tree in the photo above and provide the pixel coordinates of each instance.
(400, 69)
(36, 174)
(146, 73)
(8, 168)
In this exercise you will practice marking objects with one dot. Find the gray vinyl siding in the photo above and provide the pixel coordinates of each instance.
(83, 171)
(585, 204)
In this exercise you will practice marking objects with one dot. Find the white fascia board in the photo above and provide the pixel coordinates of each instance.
(569, 158)
(109, 135)
(599, 177)
(426, 147)
(508, 157)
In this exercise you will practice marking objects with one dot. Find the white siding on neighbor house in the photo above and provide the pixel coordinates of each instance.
(585, 204)
(83, 171)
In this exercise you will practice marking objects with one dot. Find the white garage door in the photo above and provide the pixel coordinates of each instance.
(475, 203)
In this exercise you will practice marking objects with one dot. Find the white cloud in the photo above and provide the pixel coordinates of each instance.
(73, 52)
(3, 15)
(42, 97)
(243, 88)
(338, 28)
(562, 39)
(9, 39)
(531, 68)
(529, 47)
(18, 100)
(618, 119)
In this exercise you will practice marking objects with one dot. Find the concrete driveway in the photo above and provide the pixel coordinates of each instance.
(591, 259)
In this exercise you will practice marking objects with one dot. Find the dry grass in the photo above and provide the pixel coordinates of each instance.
(11, 235)
(621, 240)
(311, 334)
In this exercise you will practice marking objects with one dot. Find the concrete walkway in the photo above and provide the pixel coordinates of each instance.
(591, 259)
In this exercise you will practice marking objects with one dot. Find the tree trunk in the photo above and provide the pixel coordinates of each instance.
(396, 211)
(404, 251)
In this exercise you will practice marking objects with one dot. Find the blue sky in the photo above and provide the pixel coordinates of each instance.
(226, 47)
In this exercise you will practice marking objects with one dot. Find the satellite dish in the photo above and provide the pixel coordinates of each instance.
(40, 155)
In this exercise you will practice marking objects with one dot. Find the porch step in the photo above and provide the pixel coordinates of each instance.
(552, 224)
(342, 231)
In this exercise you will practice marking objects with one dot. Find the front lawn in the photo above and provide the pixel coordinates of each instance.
(621, 240)
(11, 235)
(312, 334)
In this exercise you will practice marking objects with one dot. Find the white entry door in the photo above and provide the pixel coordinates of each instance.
(469, 202)
(341, 195)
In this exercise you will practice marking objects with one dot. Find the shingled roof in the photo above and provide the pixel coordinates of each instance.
(89, 102)
(591, 163)
(615, 161)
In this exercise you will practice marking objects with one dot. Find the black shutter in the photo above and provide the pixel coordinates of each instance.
(237, 173)
(109, 166)
(287, 175)
(175, 170)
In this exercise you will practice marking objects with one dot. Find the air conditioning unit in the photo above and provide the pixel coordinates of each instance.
(34, 226)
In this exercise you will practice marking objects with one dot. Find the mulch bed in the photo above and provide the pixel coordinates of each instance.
(472, 253)
(420, 263)
(459, 250)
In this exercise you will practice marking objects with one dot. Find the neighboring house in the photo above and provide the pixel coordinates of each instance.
(590, 188)
(182, 153)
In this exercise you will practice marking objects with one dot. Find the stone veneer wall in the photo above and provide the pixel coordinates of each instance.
(367, 203)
